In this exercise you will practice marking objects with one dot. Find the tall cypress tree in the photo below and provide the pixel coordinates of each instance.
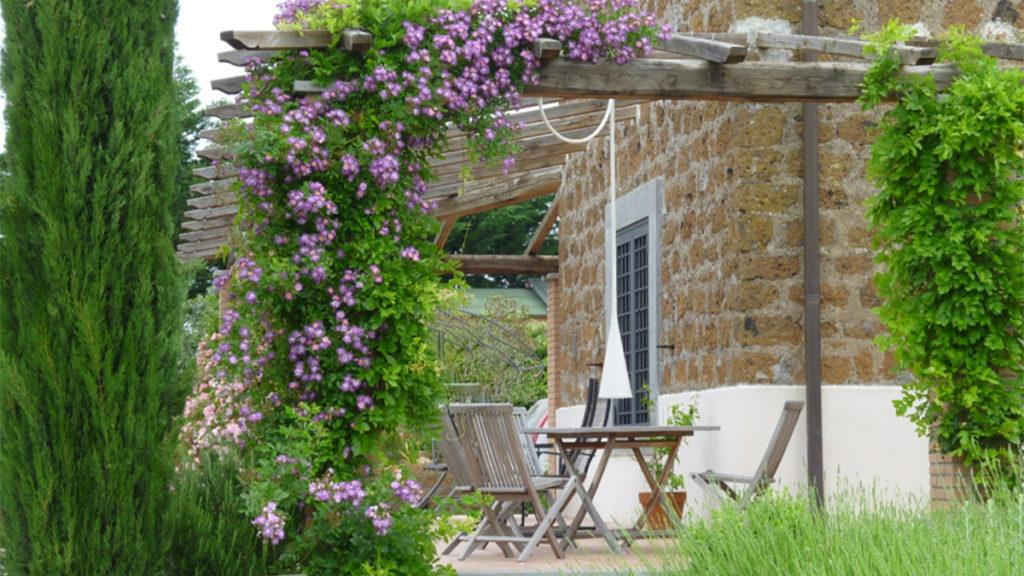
(90, 312)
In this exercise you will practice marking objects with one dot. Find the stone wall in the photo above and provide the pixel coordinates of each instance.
(731, 242)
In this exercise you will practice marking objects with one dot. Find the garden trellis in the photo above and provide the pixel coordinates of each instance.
(710, 66)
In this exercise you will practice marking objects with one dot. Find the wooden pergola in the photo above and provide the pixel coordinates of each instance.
(709, 66)
(686, 67)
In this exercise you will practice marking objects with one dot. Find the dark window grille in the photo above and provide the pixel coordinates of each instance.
(632, 281)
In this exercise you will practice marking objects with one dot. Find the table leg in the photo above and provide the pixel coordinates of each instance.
(657, 494)
(586, 496)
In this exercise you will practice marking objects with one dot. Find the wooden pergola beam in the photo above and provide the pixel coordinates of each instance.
(704, 49)
(699, 80)
(505, 194)
(908, 55)
(276, 39)
(228, 111)
(543, 230)
(447, 225)
(506, 264)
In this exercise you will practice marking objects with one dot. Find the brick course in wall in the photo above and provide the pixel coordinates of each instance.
(731, 260)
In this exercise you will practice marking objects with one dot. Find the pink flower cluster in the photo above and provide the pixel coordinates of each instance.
(270, 524)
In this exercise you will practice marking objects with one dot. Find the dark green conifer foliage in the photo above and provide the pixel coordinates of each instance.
(90, 313)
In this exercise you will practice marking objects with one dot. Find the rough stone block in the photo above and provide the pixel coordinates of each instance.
(752, 232)
(753, 266)
(745, 296)
(835, 369)
(907, 12)
(765, 197)
(784, 9)
(765, 330)
(747, 366)
(761, 126)
(966, 12)
(838, 14)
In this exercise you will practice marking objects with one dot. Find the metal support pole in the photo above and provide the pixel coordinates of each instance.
(812, 278)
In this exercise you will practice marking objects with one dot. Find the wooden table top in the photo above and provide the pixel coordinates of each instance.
(621, 431)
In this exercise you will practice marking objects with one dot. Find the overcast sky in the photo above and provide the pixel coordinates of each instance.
(200, 23)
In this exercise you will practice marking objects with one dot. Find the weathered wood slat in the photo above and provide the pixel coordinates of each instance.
(221, 232)
(727, 37)
(213, 187)
(244, 57)
(212, 134)
(229, 111)
(1004, 50)
(543, 230)
(217, 172)
(208, 224)
(232, 85)
(510, 192)
(547, 49)
(703, 48)
(276, 39)
(691, 79)
(531, 265)
(909, 55)
(201, 250)
(212, 200)
(211, 213)
(217, 153)
(524, 163)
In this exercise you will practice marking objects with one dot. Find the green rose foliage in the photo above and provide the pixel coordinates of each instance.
(948, 231)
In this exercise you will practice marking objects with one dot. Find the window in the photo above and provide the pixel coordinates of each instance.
(633, 263)
(631, 279)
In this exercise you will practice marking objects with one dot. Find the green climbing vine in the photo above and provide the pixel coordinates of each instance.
(947, 226)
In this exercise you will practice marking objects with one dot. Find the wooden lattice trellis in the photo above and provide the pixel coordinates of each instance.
(686, 67)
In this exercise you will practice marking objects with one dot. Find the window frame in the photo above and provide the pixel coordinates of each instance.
(644, 202)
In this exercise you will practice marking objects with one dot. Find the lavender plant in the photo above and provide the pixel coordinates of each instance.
(321, 366)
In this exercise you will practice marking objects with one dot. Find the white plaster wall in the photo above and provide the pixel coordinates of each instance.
(865, 444)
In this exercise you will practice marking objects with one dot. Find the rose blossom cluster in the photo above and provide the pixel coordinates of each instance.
(340, 197)
(217, 412)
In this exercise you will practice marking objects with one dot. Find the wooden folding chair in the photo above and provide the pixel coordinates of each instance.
(498, 465)
(717, 484)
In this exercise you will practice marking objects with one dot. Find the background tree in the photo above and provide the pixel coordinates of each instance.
(91, 315)
(503, 231)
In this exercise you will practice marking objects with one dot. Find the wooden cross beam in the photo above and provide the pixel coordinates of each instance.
(543, 230)
(503, 194)
(703, 48)
(506, 264)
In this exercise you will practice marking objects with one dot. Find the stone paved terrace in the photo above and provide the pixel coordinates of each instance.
(591, 558)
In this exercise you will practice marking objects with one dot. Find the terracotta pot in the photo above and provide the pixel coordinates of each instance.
(657, 519)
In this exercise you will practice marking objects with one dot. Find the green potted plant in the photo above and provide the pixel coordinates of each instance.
(678, 415)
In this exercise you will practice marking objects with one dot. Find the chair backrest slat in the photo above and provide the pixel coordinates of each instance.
(529, 451)
(777, 446)
(493, 449)
(454, 455)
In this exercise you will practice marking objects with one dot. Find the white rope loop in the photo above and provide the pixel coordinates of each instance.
(608, 113)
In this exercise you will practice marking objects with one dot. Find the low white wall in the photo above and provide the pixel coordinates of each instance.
(865, 444)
